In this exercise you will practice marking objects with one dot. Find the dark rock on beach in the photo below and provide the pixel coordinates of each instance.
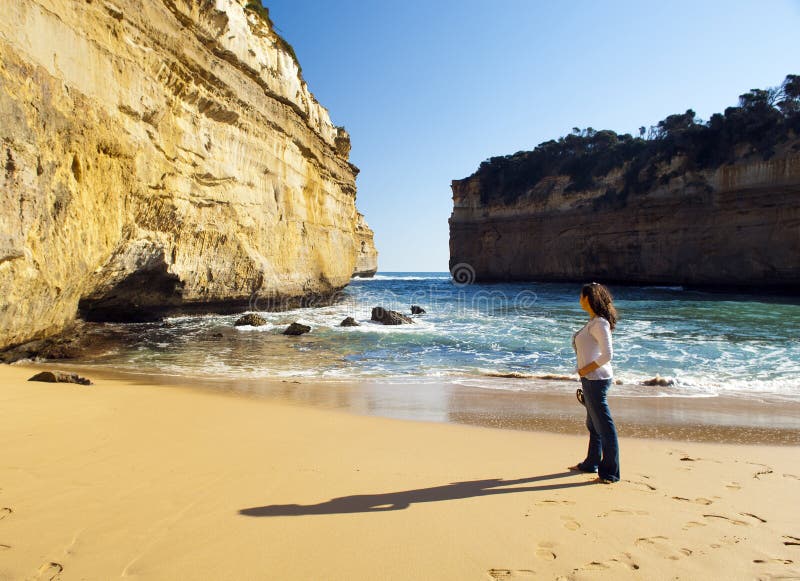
(417, 310)
(60, 377)
(349, 322)
(387, 317)
(296, 329)
(250, 319)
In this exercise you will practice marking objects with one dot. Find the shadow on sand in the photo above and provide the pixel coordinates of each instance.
(403, 499)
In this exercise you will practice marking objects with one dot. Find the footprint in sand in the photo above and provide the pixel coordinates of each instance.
(751, 515)
(5, 511)
(50, 571)
(554, 502)
(663, 547)
(570, 523)
(644, 485)
(703, 501)
(774, 560)
(627, 560)
(763, 472)
(622, 512)
(545, 553)
(692, 524)
(791, 476)
(727, 518)
(593, 566)
(733, 486)
(504, 574)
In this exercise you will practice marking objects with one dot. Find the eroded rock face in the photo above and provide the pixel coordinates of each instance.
(162, 154)
(367, 254)
(734, 226)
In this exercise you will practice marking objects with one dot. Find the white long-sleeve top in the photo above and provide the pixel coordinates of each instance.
(593, 343)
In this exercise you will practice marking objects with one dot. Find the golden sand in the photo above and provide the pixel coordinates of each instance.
(126, 481)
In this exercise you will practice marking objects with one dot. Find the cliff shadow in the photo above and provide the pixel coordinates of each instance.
(403, 499)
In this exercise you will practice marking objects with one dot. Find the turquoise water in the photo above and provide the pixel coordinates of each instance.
(709, 343)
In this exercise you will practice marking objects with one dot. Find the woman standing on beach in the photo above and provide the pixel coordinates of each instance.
(594, 350)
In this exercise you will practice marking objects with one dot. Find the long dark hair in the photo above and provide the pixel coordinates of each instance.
(601, 301)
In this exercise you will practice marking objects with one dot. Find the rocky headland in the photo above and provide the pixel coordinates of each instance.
(367, 257)
(705, 204)
(164, 155)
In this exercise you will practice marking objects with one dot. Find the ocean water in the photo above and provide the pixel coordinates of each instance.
(711, 344)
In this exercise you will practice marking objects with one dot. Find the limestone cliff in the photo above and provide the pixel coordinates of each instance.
(162, 154)
(367, 258)
(737, 224)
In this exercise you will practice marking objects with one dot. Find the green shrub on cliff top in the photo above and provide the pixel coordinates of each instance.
(257, 7)
(762, 120)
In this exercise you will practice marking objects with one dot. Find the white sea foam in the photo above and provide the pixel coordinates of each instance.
(266, 327)
(711, 347)
(382, 277)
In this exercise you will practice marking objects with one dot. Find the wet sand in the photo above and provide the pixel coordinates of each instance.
(146, 480)
(551, 407)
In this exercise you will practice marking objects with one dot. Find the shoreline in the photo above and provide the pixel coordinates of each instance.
(123, 479)
(694, 419)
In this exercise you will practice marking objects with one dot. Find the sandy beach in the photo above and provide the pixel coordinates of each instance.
(125, 480)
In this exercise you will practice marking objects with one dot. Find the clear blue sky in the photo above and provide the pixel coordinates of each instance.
(429, 89)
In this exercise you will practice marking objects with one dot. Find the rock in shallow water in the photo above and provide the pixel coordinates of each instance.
(349, 322)
(417, 310)
(60, 377)
(250, 319)
(659, 381)
(297, 329)
(387, 317)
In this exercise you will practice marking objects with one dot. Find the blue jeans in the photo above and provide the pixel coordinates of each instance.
(603, 453)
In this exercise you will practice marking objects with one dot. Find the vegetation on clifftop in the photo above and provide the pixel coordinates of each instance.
(763, 119)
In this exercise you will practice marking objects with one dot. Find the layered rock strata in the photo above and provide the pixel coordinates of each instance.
(367, 254)
(163, 154)
(736, 226)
